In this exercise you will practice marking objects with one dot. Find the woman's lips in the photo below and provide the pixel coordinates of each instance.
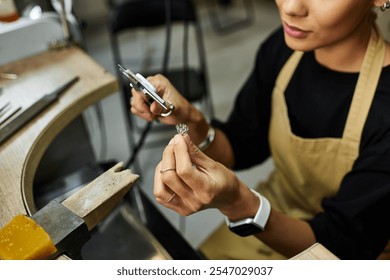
(294, 31)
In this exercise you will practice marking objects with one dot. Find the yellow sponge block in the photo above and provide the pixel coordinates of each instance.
(24, 239)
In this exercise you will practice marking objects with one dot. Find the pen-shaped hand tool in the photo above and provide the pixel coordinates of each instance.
(27, 114)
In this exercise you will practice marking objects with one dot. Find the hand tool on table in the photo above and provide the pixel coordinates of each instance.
(7, 111)
(4, 108)
(27, 114)
(63, 228)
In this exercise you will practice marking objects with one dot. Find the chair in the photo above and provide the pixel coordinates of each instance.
(128, 17)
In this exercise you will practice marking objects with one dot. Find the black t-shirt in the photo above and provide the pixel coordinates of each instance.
(355, 223)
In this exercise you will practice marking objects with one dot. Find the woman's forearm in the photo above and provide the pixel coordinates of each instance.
(286, 235)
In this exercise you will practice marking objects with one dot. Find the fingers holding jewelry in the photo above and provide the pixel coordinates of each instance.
(163, 193)
(182, 128)
(172, 192)
(166, 172)
(168, 166)
(197, 171)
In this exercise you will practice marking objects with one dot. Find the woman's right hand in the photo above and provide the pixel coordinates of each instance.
(182, 108)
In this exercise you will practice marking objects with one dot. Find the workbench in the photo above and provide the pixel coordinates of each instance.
(36, 76)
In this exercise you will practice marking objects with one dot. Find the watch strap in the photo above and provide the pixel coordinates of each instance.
(262, 215)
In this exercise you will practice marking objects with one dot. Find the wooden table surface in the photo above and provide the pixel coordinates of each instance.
(22, 152)
(315, 252)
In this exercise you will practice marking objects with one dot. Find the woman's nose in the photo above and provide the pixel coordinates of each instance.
(296, 8)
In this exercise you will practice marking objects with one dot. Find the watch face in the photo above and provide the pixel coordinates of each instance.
(245, 229)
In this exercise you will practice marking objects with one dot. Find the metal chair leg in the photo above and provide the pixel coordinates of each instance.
(224, 29)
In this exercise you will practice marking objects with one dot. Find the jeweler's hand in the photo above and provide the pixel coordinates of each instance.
(150, 112)
(196, 182)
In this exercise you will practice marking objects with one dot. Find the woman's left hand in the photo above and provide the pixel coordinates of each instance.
(187, 181)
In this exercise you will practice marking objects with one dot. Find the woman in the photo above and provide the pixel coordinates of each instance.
(318, 102)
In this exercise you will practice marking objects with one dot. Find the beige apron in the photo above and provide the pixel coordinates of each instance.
(306, 170)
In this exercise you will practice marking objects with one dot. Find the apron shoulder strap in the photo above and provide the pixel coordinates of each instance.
(288, 70)
(365, 88)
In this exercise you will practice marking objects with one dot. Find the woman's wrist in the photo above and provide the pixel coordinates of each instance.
(245, 205)
(208, 140)
(198, 126)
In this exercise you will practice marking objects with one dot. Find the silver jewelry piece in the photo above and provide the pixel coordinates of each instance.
(385, 6)
(171, 107)
(182, 128)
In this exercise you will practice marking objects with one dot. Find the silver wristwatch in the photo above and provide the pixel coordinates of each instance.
(250, 226)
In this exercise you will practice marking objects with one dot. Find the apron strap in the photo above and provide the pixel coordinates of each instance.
(288, 70)
(365, 87)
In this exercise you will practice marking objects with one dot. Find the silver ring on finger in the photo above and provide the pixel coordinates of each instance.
(167, 169)
(170, 199)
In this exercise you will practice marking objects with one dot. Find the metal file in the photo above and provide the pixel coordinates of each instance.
(27, 114)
